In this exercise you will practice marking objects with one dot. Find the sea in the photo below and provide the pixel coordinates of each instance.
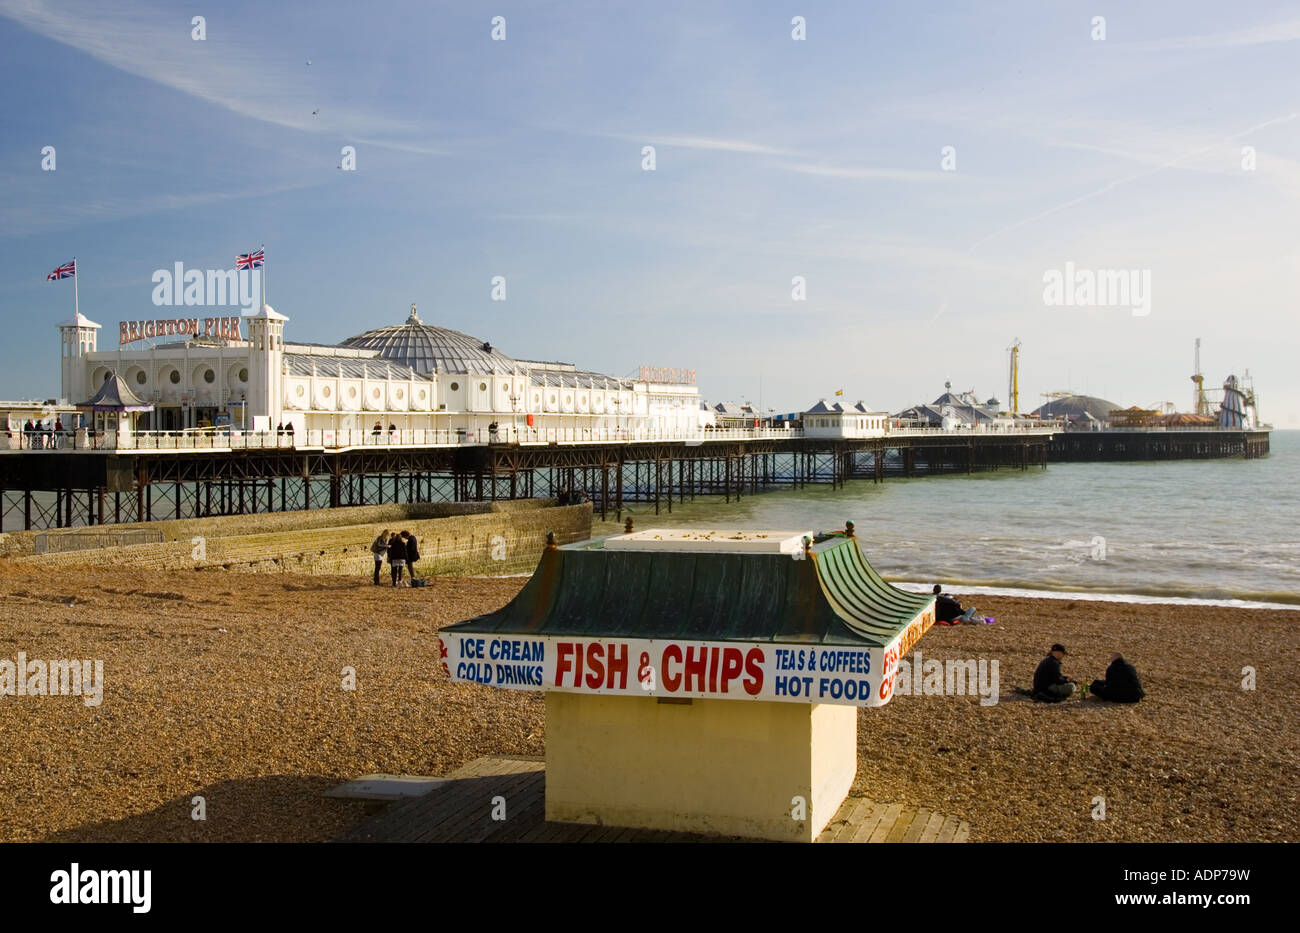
(1217, 532)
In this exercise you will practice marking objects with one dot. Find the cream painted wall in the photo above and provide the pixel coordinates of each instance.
(730, 767)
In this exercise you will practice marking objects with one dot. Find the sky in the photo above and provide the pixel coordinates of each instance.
(1165, 150)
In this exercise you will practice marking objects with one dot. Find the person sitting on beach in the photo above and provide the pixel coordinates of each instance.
(396, 557)
(948, 611)
(379, 548)
(1121, 684)
(1050, 685)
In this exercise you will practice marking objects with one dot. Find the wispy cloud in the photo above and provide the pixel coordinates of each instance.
(859, 171)
(1285, 172)
(713, 143)
(31, 219)
(228, 71)
(809, 163)
(1255, 35)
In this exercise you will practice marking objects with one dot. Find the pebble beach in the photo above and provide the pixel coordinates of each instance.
(232, 687)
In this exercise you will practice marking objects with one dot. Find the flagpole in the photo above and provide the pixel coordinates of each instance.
(76, 300)
(263, 249)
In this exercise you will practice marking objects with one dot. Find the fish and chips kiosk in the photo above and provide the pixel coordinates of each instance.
(698, 680)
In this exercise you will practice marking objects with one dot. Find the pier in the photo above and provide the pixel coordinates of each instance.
(1155, 443)
(165, 477)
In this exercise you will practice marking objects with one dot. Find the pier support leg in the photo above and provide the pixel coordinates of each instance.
(618, 482)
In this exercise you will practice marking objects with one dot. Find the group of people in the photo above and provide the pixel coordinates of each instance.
(1051, 685)
(43, 436)
(402, 551)
(284, 428)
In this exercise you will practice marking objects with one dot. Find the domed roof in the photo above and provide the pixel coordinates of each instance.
(428, 349)
(1076, 406)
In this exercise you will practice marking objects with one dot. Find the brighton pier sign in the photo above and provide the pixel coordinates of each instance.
(227, 327)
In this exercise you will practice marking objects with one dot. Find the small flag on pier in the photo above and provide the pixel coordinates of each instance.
(254, 260)
(839, 392)
(66, 271)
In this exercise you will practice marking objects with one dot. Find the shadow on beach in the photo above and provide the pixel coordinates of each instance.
(274, 808)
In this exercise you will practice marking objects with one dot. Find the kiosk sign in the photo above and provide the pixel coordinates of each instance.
(790, 673)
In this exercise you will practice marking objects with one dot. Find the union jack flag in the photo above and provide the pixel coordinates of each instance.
(65, 271)
(253, 260)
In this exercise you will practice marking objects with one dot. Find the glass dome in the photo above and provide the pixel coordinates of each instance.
(428, 349)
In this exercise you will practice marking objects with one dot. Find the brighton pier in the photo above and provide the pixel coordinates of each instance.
(44, 489)
(228, 424)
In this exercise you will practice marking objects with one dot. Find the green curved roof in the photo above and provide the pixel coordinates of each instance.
(834, 598)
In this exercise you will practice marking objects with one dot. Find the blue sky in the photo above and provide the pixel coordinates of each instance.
(775, 158)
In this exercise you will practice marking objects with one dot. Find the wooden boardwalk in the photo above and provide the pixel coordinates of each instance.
(461, 811)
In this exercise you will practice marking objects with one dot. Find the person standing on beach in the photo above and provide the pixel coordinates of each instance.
(412, 552)
(1050, 685)
(1121, 684)
(378, 548)
(396, 557)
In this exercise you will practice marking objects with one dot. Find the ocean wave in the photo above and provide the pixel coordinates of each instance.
(1153, 595)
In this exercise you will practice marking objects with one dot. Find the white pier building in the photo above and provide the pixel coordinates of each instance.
(411, 382)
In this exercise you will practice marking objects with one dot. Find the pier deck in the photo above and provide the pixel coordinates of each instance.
(65, 488)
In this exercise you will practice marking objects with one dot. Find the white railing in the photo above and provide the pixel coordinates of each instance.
(1037, 428)
(330, 439)
(1163, 429)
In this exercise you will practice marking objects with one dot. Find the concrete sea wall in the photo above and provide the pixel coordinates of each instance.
(455, 538)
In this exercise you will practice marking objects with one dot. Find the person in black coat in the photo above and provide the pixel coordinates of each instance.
(412, 552)
(1121, 684)
(396, 557)
(948, 609)
(1050, 685)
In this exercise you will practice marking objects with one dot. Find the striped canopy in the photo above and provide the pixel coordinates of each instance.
(115, 395)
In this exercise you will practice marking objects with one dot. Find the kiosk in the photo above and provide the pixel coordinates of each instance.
(698, 681)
